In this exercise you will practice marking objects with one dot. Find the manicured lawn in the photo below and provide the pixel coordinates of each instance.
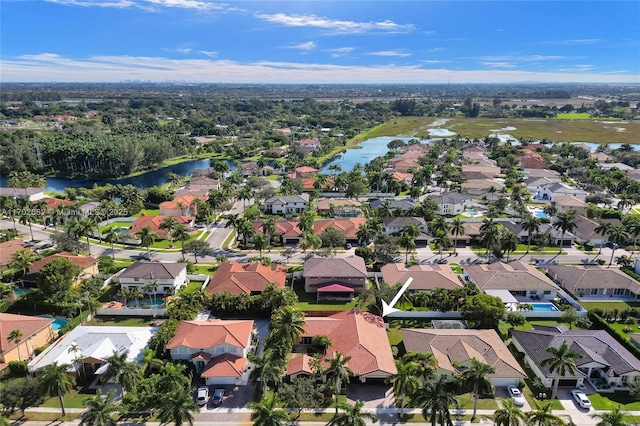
(204, 269)
(610, 401)
(308, 302)
(148, 212)
(610, 306)
(192, 286)
(573, 116)
(456, 268)
(122, 321)
(43, 417)
(71, 400)
(465, 401)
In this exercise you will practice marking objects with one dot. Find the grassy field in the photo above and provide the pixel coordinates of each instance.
(610, 306)
(122, 321)
(568, 130)
(609, 401)
(308, 301)
(573, 116)
(71, 400)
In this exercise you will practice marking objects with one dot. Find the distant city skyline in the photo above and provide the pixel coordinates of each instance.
(277, 42)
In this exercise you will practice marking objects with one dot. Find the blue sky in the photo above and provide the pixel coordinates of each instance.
(320, 41)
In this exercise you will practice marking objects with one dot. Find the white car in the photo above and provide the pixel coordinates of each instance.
(580, 398)
(516, 395)
(202, 395)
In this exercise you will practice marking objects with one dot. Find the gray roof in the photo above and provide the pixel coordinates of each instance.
(284, 199)
(594, 346)
(515, 276)
(592, 276)
(451, 197)
(394, 203)
(336, 267)
(153, 270)
(402, 221)
(586, 228)
(545, 228)
(17, 192)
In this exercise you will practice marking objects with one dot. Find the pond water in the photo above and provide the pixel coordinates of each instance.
(371, 148)
(441, 133)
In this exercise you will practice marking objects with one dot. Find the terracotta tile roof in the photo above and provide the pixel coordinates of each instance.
(336, 267)
(402, 177)
(515, 276)
(226, 365)
(81, 261)
(425, 277)
(313, 141)
(236, 278)
(306, 169)
(348, 226)
(196, 193)
(587, 277)
(8, 248)
(154, 270)
(154, 223)
(300, 363)
(186, 201)
(360, 335)
(52, 203)
(327, 203)
(284, 228)
(26, 324)
(456, 347)
(211, 333)
(309, 184)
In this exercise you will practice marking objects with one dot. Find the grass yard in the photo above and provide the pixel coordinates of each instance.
(122, 321)
(610, 306)
(308, 301)
(71, 400)
(465, 402)
(610, 401)
(53, 418)
(573, 116)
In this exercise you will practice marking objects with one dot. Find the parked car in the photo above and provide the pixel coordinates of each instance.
(348, 246)
(516, 395)
(580, 398)
(442, 261)
(47, 245)
(202, 395)
(218, 394)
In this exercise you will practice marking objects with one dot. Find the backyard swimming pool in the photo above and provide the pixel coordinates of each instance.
(543, 307)
(57, 323)
(157, 302)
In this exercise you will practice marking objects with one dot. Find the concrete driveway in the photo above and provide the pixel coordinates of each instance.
(503, 393)
(374, 396)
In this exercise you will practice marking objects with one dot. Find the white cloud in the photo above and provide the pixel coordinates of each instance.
(496, 64)
(571, 42)
(390, 53)
(145, 4)
(335, 25)
(340, 51)
(119, 4)
(209, 53)
(53, 67)
(306, 46)
(433, 61)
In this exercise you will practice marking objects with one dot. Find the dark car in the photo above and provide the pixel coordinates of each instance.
(218, 394)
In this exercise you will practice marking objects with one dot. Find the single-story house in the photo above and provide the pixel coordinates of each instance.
(168, 276)
(454, 350)
(154, 223)
(52, 203)
(180, 206)
(452, 203)
(531, 160)
(87, 348)
(355, 334)
(396, 225)
(287, 230)
(36, 332)
(303, 172)
(425, 277)
(403, 205)
(203, 183)
(7, 250)
(248, 278)
(312, 143)
(594, 280)
(473, 171)
(286, 204)
(34, 194)
(339, 207)
(551, 234)
(603, 359)
(217, 348)
(521, 279)
(348, 226)
(480, 187)
(585, 230)
(335, 277)
(88, 266)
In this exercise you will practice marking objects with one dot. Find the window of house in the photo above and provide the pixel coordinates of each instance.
(136, 279)
(307, 340)
(547, 292)
(594, 291)
(625, 379)
(533, 292)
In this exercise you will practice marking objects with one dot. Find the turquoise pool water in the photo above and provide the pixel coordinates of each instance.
(146, 303)
(57, 323)
(543, 307)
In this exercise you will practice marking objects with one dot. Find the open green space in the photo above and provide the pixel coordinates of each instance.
(71, 400)
(552, 129)
(122, 321)
(308, 301)
(573, 116)
(612, 400)
(465, 402)
(610, 306)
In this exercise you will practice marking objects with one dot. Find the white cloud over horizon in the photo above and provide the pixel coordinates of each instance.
(336, 26)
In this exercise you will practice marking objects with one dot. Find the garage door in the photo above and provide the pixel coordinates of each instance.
(568, 383)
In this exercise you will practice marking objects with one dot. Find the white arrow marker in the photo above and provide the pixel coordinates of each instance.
(388, 308)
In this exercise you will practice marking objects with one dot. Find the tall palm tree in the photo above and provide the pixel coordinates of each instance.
(339, 371)
(147, 237)
(435, 400)
(509, 242)
(509, 414)
(260, 242)
(441, 241)
(633, 229)
(99, 410)
(269, 368)
(405, 382)
(85, 228)
(352, 416)
(565, 222)
(111, 236)
(532, 226)
(618, 236)
(602, 229)
(288, 324)
(544, 417)
(177, 408)
(150, 287)
(15, 336)
(21, 259)
(562, 360)
(125, 373)
(408, 243)
(438, 224)
(365, 234)
(490, 233)
(456, 227)
(169, 224)
(477, 377)
(266, 413)
(180, 233)
(8, 205)
(269, 229)
(615, 417)
(55, 381)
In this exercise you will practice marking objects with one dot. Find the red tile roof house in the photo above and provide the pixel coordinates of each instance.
(88, 265)
(36, 332)
(349, 226)
(246, 278)
(154, 223)
(179, 206)
(217, 348)
(7, 249)
(356, 334)
(287, 230)
(335, 278)
(310, 143)
(52, 203)
(303, 172)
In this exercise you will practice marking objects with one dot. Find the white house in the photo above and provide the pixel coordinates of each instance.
(169, 277)
(453, 203)
(34, 194)
(552, 190)
(217, 348)
(286, 204)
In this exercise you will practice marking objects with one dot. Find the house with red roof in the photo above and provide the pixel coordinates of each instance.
(36, 332)
(246, 278)
(348, 226)
(217, 348)
(355, 334)
(287, 230)
(154, 223)
(7, 250)
(52, 203)
(180, 206)
(312, 143)
(303, 172)
(88, 266)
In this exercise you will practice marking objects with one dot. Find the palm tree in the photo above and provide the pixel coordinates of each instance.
(85, 228)
(436, 400)
(509, 414)
(8, 204)
(147, 237)
(441, 241)
(565, 222)
(365, 234)
(55, 381)
(476, 377)
(562, 360)
(509, 242)
(149, 362)
(177, 408)
(352, 416)
(490, 233)
(15, 336)
(111, 236)
(24, 204)
(125, 373)
(269, 230)
(532, 226)
(21, 259)
(266, 413)
(544, 417)
(169, 224)
(456, 227)
(260, 242)
(625, 201)
(613, 418)
(438, 224)
(408, 243)
(405, 382)
(618, 236)
(602, 229)
(99, 410)
(340, 371)
(180, 233)
(269, 367)
(150, 287)
(633, 229)
(288, 324)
